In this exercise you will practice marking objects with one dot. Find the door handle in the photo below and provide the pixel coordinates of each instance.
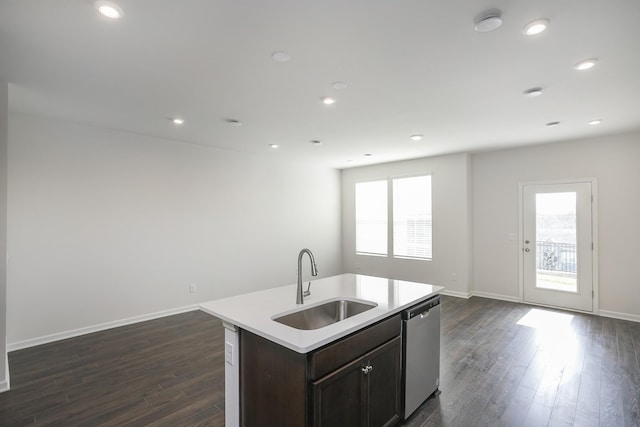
(367, 369)
(526, 241)
(527, 249)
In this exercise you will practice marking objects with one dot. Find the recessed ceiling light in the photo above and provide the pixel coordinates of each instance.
(234, 122)
(349, 161)
(552, 124)
(177, 120)
(274, 146)
(315, 142)
(108, 9)
(595, 122)
(489, 20)
(328, 100)
(533, 92)
(586, 64)
(281, 56)
(339, 85)
(368, 155)
(415, 137)
(535, 27)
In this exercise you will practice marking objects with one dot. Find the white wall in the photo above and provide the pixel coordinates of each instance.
(613, 161)
(106, 225)
(451, 223)
(4, 364)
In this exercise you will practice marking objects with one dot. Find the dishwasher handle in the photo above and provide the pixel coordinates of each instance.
(421, 309)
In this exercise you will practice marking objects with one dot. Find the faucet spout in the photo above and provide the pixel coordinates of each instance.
(314, 272)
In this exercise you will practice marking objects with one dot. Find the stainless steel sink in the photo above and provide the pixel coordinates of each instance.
(325, 314)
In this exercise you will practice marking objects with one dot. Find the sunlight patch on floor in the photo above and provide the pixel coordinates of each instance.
(556, 339)
(545, 320)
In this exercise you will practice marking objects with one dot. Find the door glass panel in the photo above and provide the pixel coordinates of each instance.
(556, 260)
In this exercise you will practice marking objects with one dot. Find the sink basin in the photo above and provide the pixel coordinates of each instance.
(325, 314)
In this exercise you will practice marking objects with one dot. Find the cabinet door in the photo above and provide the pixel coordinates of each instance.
(339, 398)
(384, 382)
(365, 392)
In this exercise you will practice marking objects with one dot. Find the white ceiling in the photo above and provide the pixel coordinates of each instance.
(412, 67)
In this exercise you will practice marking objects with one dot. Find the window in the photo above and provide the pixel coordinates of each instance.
(409, 233)
(412, 217)
(371, 217)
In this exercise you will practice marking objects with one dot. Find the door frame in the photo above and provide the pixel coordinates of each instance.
(594, 236)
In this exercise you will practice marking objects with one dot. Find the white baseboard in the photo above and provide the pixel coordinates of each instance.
(4, 386)
(604, 313)
(621, 316)
(465, 295)
(495, 296)
(95, 328)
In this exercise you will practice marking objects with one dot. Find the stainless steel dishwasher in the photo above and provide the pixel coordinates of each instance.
(421, 355)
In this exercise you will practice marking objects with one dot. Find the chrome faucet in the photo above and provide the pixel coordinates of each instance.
(314, 272)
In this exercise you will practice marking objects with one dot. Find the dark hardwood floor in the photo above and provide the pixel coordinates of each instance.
(573, 370)
(168, 371)
(564, 369)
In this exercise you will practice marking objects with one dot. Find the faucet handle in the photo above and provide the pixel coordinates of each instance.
(308, 291)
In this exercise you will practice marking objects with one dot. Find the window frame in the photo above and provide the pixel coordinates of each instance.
(390, 217)
(355, 199)
(391, 207)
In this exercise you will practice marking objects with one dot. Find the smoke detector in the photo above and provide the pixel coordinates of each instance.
(489, 20)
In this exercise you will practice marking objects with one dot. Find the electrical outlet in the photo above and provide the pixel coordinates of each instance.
(228, 353)
(192, 288)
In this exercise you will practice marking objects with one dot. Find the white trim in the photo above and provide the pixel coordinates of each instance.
(95, 328)
(603, 313)
(496, 296)
(521, 241)
(621, 316)
(6, 384)
(231, 375)
(465, 295)
(596, 245)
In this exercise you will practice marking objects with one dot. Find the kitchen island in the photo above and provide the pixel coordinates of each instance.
(271, 366)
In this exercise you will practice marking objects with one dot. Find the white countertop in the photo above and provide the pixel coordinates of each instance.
(254, 312)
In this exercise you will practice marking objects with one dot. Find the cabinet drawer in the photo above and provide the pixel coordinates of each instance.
(334, 355)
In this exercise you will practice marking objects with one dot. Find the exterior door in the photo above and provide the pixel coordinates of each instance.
(557, 245)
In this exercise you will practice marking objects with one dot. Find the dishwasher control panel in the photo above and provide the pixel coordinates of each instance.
(421, 308)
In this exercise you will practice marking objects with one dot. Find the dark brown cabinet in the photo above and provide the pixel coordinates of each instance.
(365, 392)
(353, 381)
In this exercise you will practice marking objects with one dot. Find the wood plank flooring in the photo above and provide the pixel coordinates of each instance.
(168, 371)
(576, 370)
(496, 372)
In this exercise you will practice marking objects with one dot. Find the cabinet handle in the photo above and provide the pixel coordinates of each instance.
(367, 369)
